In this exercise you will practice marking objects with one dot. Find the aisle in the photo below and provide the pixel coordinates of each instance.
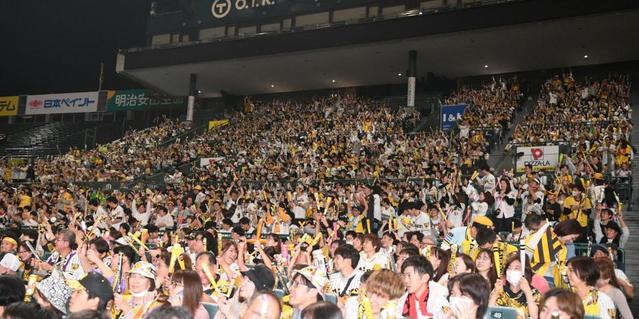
(632, 217)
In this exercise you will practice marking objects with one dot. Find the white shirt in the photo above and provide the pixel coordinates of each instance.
(167, 220)
(605, 305)
(377, 207)
(143, 218)
(435, 304)
(338, 283)
(366, 264)
(117, 214)
(199, 198)
(69, 265)
(487, 182)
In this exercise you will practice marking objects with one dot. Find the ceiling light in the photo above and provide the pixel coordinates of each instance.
(399, 74)
(585, 56)
(272, 85)
(485, 66)
(333, 81)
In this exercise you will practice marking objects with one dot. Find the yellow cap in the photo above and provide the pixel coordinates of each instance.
(483, 220)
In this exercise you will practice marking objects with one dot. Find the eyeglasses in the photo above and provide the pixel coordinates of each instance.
(299, 283)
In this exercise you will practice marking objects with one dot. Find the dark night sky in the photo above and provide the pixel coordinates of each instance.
(49, 46)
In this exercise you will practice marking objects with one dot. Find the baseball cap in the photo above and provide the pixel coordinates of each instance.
(261, 276)
(316, 276)
(10, 261)
(483, 220)
(144, 269)
(96, 285)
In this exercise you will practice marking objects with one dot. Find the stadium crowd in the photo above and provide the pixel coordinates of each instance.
(324, 209)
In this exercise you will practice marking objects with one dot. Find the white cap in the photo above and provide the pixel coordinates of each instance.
(10, 261)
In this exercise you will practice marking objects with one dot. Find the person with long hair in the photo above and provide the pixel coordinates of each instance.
(608, 284)
(561, 303)
(485, 264)
(583, 275)
(505, 196)
(513, 289)
(439, 258)
(186, 291)
(229, 268)
(463, 264)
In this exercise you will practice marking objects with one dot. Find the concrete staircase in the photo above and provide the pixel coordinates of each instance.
(500, 160)
(632, 217)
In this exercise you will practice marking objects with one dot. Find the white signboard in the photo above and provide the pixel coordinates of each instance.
(540, 157)
(81, 102)
(206, 161)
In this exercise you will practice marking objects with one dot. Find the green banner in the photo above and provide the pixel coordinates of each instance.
(122, 100)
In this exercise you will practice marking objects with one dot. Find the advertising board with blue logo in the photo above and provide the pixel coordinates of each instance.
(80, 102)
(451, 114)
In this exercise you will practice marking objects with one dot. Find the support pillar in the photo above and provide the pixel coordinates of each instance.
(191, 100)
(411, 76)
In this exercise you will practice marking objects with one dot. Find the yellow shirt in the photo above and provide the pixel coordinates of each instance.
(581, 212)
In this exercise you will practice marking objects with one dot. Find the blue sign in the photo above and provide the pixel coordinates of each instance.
(450, 115)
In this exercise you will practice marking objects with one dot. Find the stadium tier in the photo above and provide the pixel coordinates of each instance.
(333, 159)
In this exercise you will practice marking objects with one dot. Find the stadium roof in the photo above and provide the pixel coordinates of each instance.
(524, 38)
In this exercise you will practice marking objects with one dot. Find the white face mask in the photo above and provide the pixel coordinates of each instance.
(460, 304)
(176, 299)
(513, 277)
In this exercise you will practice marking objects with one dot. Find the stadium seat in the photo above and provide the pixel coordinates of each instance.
(331, 298)
(210, 308)
(501, 313)
(279, 293)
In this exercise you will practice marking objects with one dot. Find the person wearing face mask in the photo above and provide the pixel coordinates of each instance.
(577, 206)
(468, 297)
(514, 289)
(141, 286)
(186, 291)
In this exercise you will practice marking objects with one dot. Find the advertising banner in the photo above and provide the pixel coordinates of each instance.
(80, 102)
(540, 157)
(450, 115)
(9, 105)
(122, 100)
